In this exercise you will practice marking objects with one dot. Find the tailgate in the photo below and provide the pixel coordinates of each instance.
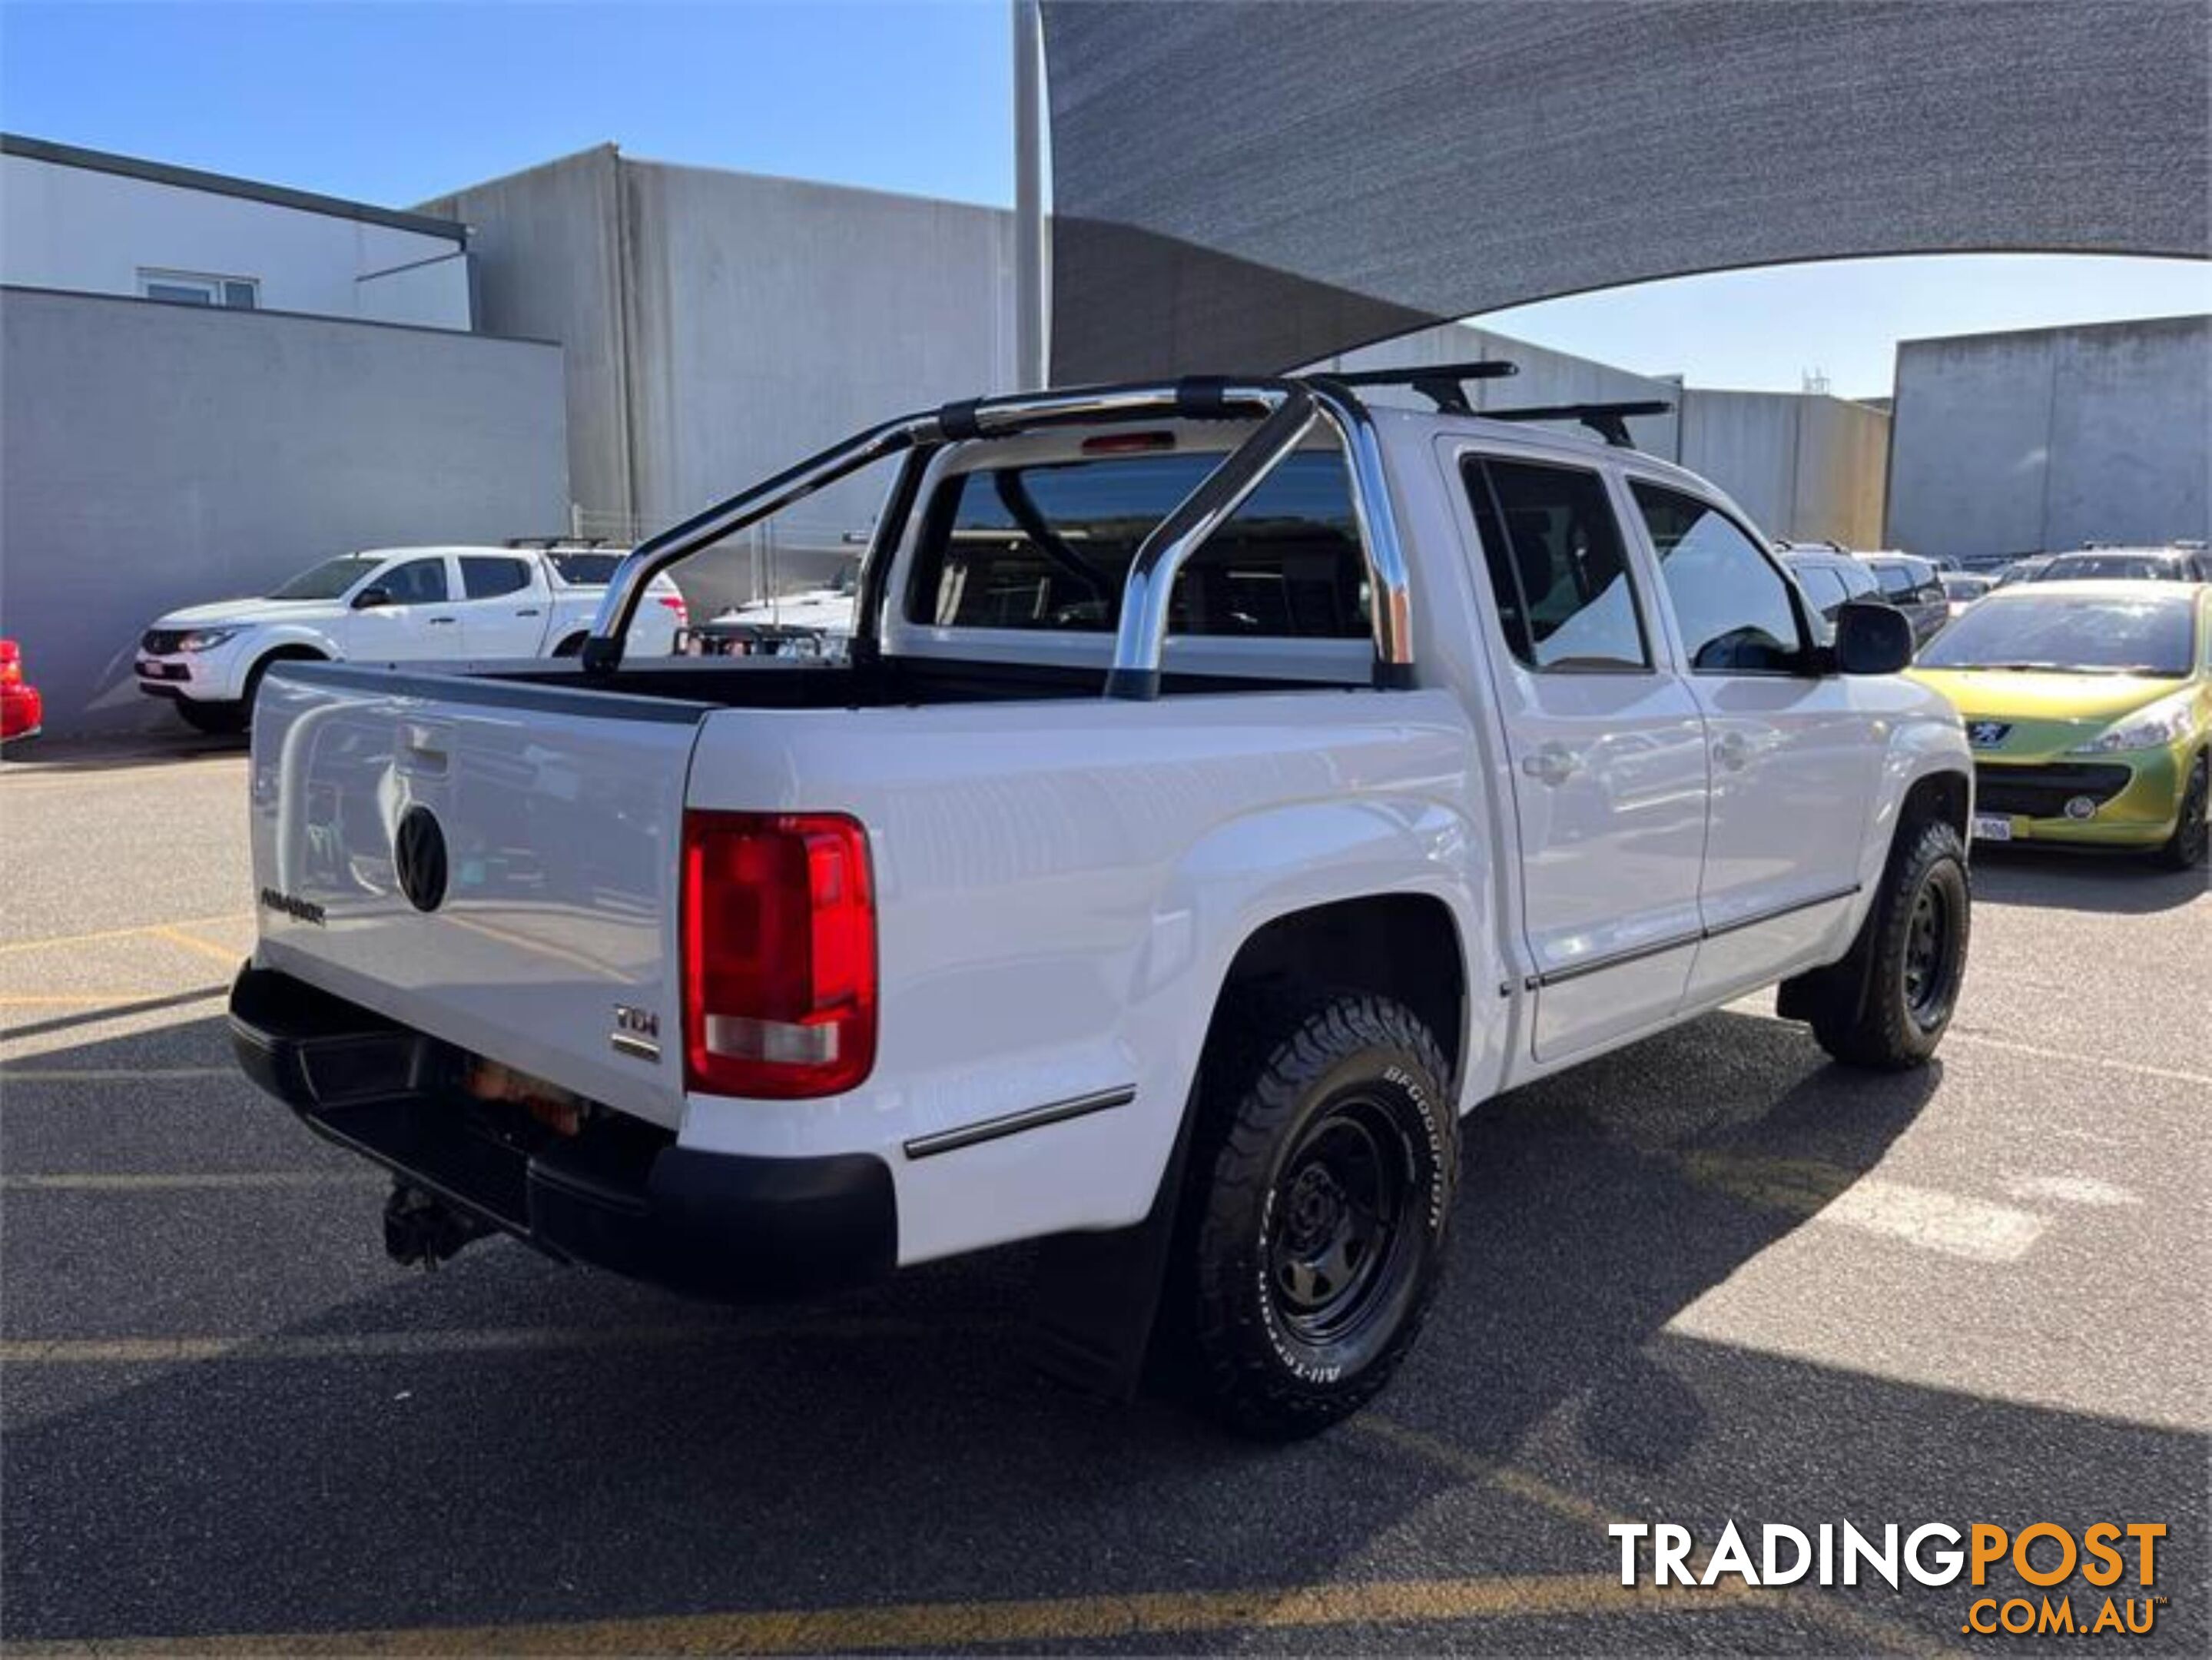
(492, 863)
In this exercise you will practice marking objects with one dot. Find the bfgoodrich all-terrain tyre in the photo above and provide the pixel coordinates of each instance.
(1321, 1182)
(1887, 1005)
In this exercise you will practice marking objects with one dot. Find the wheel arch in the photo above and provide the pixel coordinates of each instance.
(1945, 794)
(1405, 946)
(284, 650)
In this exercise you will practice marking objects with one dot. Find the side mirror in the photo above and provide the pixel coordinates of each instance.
(1872, 639)
(370, 599)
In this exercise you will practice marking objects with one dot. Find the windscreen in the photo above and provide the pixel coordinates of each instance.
(2097, 567)
(330, 579)
(1049, 546)
(2103, 636)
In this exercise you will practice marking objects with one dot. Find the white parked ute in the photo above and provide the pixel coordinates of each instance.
(1232, 786)
(390, 605)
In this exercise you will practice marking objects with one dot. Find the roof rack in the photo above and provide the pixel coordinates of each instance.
(1608, 421)
(1442, 383)
(550, 543)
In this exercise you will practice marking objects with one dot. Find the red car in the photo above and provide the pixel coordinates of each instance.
(21, 708)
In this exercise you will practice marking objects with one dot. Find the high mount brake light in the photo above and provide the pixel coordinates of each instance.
(1128, 443)
(778, 954)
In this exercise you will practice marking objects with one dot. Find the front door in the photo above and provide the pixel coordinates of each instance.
(418, 619)
(1607, 755)
(1795, 758)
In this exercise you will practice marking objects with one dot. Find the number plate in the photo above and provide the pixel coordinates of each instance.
(1992, 827)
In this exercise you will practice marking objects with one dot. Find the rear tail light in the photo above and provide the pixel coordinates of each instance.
(675, 604)
(778, 954)
(11, 664)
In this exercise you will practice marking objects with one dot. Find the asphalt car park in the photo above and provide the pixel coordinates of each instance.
(1709, 1278)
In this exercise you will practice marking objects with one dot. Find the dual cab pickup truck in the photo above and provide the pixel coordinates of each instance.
(1231, 787)
(389, 605)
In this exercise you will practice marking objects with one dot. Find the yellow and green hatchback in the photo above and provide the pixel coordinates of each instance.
(2088, 707)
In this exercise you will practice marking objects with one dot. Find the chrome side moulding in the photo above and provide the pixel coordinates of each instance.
(1013, 1123)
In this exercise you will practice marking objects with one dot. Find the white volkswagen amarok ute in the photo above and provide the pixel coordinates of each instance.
(390, 605)
(1232, 784)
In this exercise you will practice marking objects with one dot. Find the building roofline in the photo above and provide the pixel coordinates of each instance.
(2112, 323)
(218, 183)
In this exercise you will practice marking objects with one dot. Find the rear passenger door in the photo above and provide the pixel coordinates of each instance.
(503, 606)
(1607, 751)
(1796, 757)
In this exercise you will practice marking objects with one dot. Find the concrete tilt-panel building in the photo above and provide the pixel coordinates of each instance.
(2040, 440)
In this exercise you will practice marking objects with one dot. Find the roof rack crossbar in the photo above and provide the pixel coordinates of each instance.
(1442, 383)
(1608, 421)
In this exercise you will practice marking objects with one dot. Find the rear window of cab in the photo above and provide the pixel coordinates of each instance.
(1049, 547)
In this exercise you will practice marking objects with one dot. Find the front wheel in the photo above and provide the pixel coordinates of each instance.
(1892, 1003)
(1322, 1180)
(2184, 849)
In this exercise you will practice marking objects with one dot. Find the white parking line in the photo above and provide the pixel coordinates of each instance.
(1946, 1222)
(480, 1339)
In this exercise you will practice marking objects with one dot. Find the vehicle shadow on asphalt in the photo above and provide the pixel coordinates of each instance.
(893, 1446)
(79, 757)
(2120, 885)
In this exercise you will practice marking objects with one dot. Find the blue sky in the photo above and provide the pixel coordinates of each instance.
(394, 102)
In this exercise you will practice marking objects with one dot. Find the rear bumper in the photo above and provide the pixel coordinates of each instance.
(621, 1195)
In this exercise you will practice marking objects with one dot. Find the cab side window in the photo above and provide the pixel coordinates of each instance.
(417, 582)
(1733, 606)
(487, 577)
(1558, 567)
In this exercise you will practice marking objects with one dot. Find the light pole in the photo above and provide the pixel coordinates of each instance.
(1031, 362)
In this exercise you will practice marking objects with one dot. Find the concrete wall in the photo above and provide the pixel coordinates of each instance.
(2044, 439)
(66, 227)
(547, 247)
(721, 325)
(1803, 465)
(156, 456)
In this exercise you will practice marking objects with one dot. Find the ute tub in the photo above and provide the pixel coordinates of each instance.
(621, 1195)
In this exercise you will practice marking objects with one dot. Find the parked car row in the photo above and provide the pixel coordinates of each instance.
(391, 605)
(2089, 707)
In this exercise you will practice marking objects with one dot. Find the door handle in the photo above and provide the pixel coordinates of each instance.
(438, 621)
(1732, 751)
(526, 613)
(1553, 764)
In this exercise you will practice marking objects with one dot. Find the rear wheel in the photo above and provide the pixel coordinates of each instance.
(1322, 1185)
(2184, 849)
(1887, 1005)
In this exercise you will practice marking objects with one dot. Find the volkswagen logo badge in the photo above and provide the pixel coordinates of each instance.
(418, 859)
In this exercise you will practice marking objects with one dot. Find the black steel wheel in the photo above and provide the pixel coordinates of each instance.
(1336, 1216)
(1320, 1183)
(1888, 1003)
